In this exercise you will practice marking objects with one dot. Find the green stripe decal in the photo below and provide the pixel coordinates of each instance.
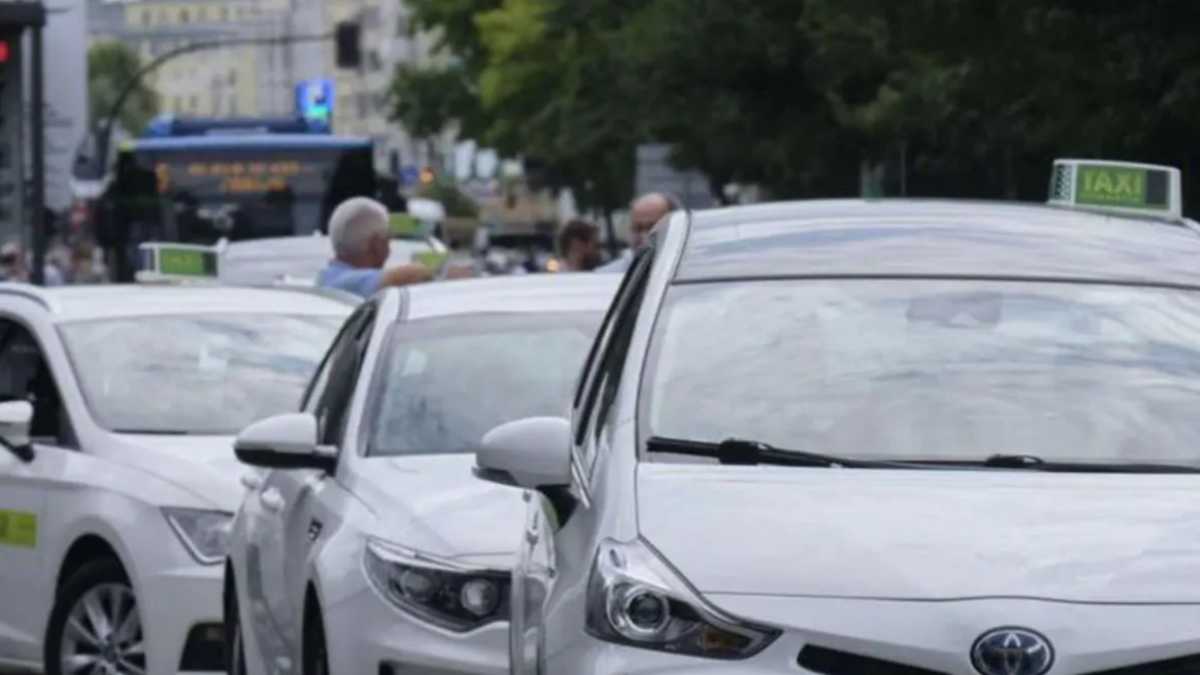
(18, 529)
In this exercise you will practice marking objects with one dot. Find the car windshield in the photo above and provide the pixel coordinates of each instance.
(262, 267)
(203, 374)
(448, 381)
(935, 370)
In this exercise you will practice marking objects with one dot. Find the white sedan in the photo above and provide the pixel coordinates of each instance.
(888, 437)
(118, 407)
(365, 545)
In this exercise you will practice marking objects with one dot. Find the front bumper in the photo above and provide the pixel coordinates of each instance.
(181, 618)
(893, 637)
(366, 634)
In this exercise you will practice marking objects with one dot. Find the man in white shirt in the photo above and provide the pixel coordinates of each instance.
(644, 214)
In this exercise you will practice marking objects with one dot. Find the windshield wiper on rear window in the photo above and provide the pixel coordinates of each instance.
(1035, 463)
(741, 452)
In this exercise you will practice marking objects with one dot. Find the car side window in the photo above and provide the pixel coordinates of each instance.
(623, 313)
(333, 408)
(602, 335)
(320, 379)
(608, 381)
(25, 376)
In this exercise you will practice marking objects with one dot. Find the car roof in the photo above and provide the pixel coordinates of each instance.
(251, 141)
(304, 246)
(105, 301)
(568, 292)
(936, 238)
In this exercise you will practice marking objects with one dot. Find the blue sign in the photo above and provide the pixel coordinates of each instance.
(314, 100)
(409, 175)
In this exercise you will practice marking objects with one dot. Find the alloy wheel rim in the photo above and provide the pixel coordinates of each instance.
(103, 633)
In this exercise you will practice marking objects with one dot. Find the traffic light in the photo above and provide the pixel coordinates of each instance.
(5, 51)
(347, 38)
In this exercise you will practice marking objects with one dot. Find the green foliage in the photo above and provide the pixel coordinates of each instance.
(977, 96)
(455, 201)
(111, 66)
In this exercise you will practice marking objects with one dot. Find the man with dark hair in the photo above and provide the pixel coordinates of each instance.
(579, 246)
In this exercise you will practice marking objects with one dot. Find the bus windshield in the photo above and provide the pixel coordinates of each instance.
(201, 195)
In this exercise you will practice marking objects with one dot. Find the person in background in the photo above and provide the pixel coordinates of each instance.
(644, 214)
(12, 263)
(578, 246)
(361, 238)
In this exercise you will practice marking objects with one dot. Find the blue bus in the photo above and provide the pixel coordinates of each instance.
(200, 181)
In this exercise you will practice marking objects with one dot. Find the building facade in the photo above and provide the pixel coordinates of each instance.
(260, 79)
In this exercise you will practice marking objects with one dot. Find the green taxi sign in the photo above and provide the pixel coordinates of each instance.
(404, 225)
(1119, 187)
(184, 262)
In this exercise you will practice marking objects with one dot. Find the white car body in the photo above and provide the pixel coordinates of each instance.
(298, 260)
(316, 526)
(964, 566)
(103, 495)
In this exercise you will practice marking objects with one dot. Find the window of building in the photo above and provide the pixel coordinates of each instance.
(194, 103)
(147, 17)
(183, 16)
(224, 14)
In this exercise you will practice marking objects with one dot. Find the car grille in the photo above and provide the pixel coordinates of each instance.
(1184, 665)
(204, 650)
(833, 662)
(827, 661)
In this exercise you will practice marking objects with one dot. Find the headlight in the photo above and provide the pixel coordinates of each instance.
(637, 600)
(205, 534)
(442, 592)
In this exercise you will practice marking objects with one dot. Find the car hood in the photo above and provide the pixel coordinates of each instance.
(927, 535)
(433, 503)
(203, 465)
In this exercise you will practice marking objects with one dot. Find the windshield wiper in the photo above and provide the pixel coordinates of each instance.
(742, 452)
(1035, 463)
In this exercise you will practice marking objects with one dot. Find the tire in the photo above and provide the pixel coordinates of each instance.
(100, 585)
(316, 657)
(235, 651)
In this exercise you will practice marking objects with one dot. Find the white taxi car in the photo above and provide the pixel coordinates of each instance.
(118, 408)
(365, 545)
(891, 437)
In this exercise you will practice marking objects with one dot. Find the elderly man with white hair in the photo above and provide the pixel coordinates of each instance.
(359, 232)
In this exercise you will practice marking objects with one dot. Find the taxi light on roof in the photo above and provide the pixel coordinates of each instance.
(1117, 187)
(164, 263)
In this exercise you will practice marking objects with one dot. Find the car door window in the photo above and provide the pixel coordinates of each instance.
(334, 405)
(592, 361)
(320, 380)
(25, 375)
(608, 380)
(610, 355)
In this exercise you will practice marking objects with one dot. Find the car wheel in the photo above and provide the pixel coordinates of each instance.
(235, 655)
(95, 625)
(316, 658)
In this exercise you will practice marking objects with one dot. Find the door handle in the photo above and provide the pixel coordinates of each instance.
(252, 481)
(271, 500)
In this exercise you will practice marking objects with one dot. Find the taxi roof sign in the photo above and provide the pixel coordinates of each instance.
(1117, 187)
(179, 263)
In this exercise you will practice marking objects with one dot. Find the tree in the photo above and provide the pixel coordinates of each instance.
(111, 66)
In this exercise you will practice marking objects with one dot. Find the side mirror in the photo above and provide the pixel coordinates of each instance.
(531, 453)
(287, 441)
(15, 418)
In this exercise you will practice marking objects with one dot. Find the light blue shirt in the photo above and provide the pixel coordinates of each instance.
(619, 265)
(357, 280)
